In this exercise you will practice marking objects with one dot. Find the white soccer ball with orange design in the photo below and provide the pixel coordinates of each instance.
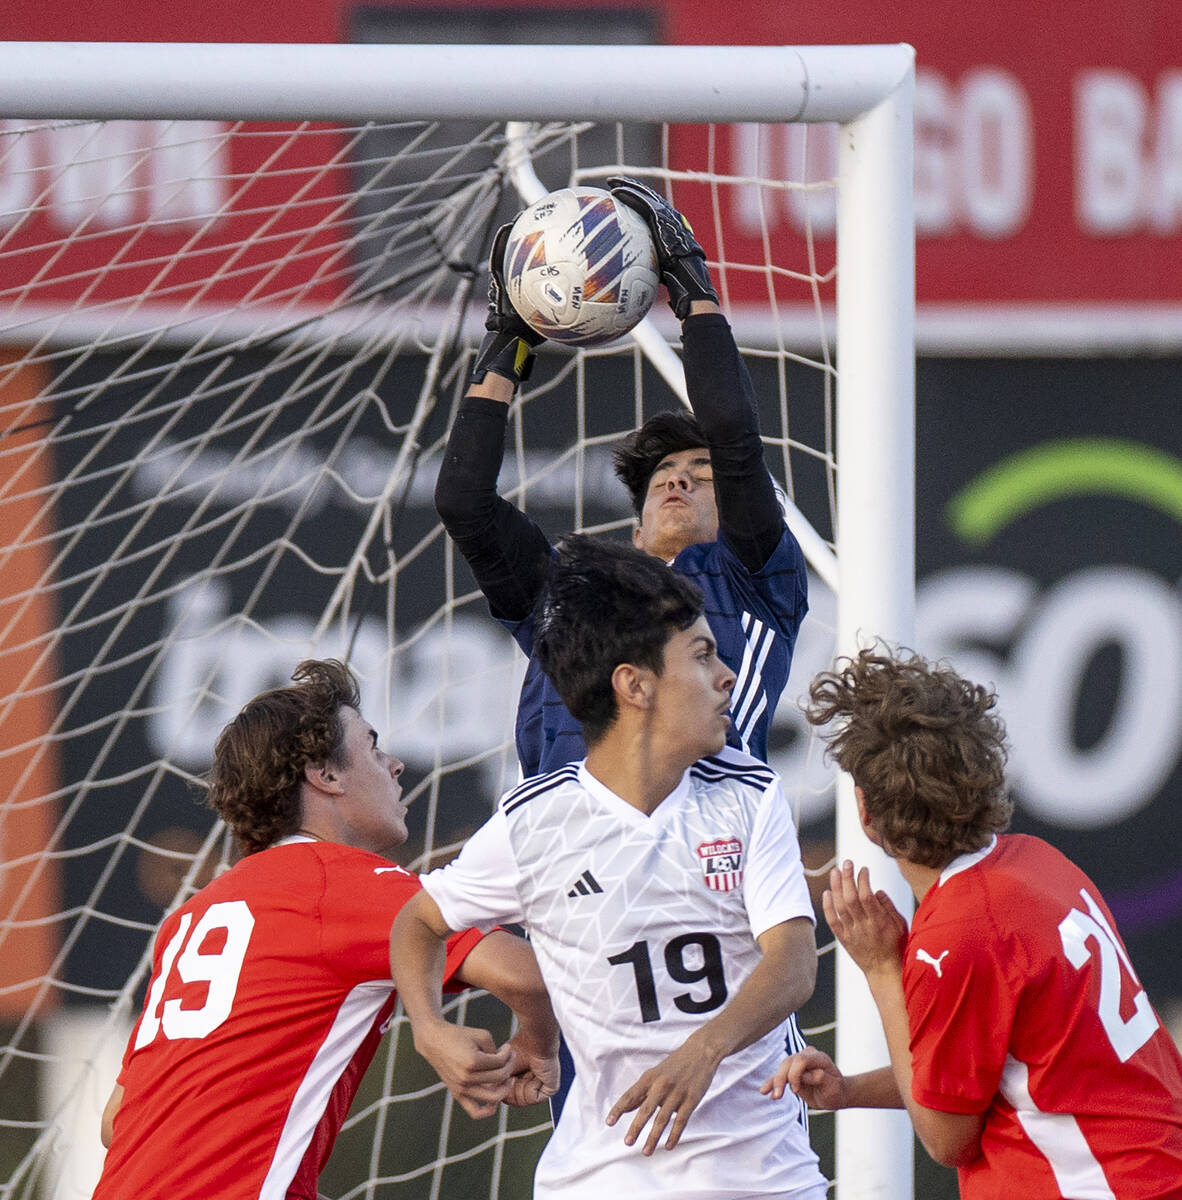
(580, 268)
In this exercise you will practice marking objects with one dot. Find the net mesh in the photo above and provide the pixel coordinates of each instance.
(229, 358)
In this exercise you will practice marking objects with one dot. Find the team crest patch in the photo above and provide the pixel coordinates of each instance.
(722, 863)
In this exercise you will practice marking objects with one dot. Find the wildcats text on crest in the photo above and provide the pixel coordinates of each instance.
(722, 863)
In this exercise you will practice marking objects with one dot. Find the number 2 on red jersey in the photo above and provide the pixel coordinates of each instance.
(1076, 930)
(193, 964)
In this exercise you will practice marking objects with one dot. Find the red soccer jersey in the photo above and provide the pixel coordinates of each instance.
(1023, 1005)
(269, 992)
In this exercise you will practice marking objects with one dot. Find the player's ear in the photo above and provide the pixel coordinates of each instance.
(632, 685)
(863, 815)
(637, 537)
(323, 778)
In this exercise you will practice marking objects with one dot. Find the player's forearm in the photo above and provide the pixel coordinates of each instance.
(107, 1124)
(873, 1089)
(506, 966)
(776, 989)
(506, 551)
(537, 1025)
(723, 400)
(886, 988)
(467, 481)
(418, 956)
(940, 1133)
(950, 1138)
(494, 387)
(717, 382)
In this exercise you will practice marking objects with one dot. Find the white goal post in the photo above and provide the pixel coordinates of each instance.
(866, 90)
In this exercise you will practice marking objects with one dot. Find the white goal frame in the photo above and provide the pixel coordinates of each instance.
(868, 90)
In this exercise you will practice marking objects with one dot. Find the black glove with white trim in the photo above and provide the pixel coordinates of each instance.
(507, 349)
(681, 261)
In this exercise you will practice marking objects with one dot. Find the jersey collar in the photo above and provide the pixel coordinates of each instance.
(962, 862)
(628, 811)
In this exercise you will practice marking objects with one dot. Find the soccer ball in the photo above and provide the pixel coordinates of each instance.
(580, 267)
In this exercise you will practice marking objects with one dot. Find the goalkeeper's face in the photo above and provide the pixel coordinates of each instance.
(679, 507)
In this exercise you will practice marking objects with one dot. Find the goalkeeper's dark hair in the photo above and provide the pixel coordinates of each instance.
(604, 604)
(642, 451)
(923, 744)
(260, 756)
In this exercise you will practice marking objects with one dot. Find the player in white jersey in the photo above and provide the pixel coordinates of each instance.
(661, 885)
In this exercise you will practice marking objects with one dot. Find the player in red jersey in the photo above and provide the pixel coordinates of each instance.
(271, 987)
(1021, 1042)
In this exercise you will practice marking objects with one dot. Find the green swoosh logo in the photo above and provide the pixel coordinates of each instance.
(1056, 470)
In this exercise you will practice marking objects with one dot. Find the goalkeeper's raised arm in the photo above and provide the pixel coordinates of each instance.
(721, 395)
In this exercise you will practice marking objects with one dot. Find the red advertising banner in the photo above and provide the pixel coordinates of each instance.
(115, 210)
(1048, 155)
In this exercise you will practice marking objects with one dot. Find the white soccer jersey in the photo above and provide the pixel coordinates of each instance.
(644, 927)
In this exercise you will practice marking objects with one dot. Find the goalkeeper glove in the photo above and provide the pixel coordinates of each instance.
(680, 260)
(507, 348)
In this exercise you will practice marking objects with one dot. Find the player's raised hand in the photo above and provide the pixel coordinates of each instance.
(502, 316)
(812, 1075)
(665, 1094)
(506, 349)
(468, 1061)
(681, 261)
(865, 922)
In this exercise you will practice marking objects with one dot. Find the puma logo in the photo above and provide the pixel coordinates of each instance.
(400, 870)
(924, 957)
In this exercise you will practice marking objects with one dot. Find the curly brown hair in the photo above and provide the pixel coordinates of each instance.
(925, 747)
(259, 758)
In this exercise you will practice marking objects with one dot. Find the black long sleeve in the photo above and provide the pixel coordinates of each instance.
(507, 552)
(723, 400)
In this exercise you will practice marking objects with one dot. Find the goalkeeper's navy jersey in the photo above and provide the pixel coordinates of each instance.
(754, 618)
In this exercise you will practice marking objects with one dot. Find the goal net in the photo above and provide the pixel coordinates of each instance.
(231, 346)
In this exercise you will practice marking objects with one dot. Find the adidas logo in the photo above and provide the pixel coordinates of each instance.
(585, 885)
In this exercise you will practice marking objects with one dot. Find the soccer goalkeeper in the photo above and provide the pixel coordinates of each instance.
(703, 498)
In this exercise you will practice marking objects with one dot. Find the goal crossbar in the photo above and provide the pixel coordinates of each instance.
(324, 82)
